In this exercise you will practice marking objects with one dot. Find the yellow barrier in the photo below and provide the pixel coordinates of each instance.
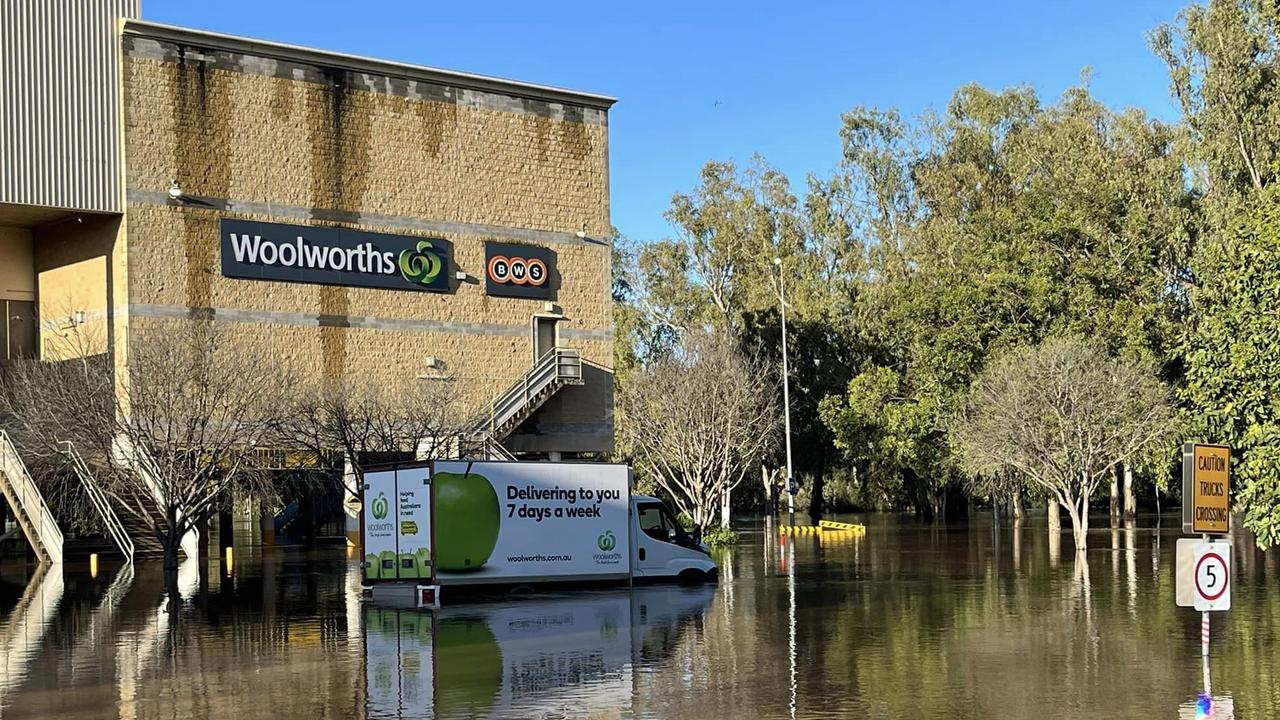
(832, 525)
(798, 529)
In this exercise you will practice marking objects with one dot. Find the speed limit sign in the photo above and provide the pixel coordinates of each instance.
(1204, 574)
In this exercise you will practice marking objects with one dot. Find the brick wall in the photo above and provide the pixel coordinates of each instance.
(284, 141)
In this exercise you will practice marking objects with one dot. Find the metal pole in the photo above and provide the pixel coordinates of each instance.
(1204, 625)
(786, 394)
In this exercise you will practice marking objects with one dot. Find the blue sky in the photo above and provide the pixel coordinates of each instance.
(720, 80)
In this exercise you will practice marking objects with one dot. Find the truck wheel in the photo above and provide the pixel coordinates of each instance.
(691, 577)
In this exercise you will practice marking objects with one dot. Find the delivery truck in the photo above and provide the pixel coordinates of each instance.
(468, 524)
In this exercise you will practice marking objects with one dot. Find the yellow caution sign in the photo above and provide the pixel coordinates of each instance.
(1206, 488)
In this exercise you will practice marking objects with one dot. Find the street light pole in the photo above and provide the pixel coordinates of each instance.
(786, 394)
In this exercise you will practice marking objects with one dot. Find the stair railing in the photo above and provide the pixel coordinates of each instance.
(22, 493)
(559, 365)
(115, 528)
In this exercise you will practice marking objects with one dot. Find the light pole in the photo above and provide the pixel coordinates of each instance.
(786, 394)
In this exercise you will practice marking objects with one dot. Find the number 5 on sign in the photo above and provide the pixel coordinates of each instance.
(1204, 575)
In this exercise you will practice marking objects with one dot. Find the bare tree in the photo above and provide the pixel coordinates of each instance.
(171, 434)
(369, 423)
(1062, 414)
(698, 421)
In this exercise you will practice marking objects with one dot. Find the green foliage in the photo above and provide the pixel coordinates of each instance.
(720, 536)
(1233, 359)
(1018, 220)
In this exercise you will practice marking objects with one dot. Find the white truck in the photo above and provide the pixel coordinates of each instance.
(460, 523)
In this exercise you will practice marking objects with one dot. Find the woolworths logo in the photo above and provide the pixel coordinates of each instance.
(380, 506)
(421, 265)
(606, 542)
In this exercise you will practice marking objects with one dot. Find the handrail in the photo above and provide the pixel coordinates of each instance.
(101, 503)
(48, 535)
(558, 364)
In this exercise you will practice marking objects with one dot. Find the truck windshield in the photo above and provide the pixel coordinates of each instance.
(657, 522)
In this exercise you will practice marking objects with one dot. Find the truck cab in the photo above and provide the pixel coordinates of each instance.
(663, 549)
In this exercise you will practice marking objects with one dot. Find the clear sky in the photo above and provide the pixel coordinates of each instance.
(699, 80)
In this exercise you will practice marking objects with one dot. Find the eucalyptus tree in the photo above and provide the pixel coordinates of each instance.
(1025, 220)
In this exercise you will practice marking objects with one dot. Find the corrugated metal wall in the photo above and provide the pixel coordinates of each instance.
(60, 103)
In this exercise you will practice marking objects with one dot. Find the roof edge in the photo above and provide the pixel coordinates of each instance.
(313, 56)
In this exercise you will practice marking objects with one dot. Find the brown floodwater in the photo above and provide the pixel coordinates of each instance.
(910, 621)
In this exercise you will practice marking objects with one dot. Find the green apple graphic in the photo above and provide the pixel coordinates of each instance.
(467, 520)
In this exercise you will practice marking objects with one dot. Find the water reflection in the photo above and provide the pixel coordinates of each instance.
(910, 621)
(565, 656)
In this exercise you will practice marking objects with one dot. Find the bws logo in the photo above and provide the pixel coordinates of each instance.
(380, 506)
(421, 265)
(606, 541)
(517, 271)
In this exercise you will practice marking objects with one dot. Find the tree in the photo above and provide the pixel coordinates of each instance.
(1224, 67)
(1062, 414)
(368, 424)
(1233, 359)
(1020, 220)
(699, 421)
(171, 436)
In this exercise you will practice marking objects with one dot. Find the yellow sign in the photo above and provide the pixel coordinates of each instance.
(408, 527)
(1206, 488)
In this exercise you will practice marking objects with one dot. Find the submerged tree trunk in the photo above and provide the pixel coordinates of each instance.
(1019, 512)
(1055, 517)
(1079, 514)
(1115, 496)
(1130, 494)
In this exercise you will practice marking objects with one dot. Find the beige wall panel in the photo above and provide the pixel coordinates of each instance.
(17, 270)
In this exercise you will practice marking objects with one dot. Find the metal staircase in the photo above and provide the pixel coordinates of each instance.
(554, 370)
(28, 505)
(115, 528)
(139, 522)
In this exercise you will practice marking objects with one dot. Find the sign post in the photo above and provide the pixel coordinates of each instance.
(1204, 566)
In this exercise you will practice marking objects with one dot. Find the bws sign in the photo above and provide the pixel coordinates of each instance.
(333, 256)
(518, 270)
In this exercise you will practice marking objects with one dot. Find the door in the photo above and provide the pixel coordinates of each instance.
(544, 335)
(18, 329)
(655, 543)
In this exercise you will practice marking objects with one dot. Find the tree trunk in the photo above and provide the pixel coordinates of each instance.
(1079, 521)
(1055, 517)
(1019, 512)
(1130, 495)
(1115, 496)
(770, 507)
(726, 500)
(172, 544)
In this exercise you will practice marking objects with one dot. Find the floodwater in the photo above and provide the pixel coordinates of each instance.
(910, 621)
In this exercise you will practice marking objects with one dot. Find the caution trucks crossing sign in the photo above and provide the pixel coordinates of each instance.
(1206, 489)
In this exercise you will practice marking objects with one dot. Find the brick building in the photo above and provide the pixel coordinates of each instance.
(382, 221)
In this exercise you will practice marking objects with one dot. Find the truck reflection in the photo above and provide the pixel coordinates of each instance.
(538, 656)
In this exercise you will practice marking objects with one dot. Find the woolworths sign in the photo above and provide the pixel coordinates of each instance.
(333, 256)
